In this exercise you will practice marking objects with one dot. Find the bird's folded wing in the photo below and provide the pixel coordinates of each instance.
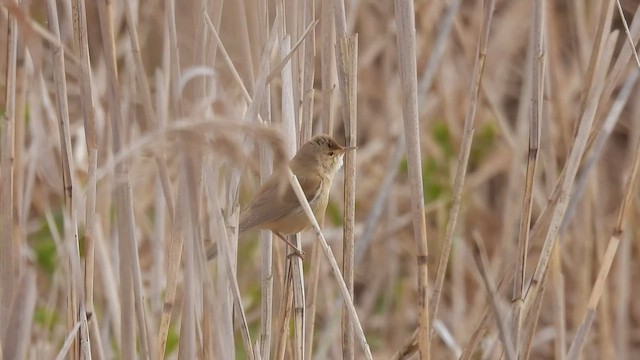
(274, 202)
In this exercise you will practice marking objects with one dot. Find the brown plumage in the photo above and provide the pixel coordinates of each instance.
(275, 205)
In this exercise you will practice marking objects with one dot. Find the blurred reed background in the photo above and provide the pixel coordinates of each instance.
(133, 133)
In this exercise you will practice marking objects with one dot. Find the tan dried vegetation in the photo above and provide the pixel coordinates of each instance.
(490, 210)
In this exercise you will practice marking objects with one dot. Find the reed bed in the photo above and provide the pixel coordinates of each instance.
(490, 211)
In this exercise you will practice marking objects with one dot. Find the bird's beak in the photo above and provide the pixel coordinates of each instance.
(349, 148)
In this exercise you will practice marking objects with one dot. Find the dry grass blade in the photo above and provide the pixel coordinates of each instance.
(406, 39)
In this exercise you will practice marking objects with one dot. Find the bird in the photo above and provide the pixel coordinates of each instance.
(275, 206)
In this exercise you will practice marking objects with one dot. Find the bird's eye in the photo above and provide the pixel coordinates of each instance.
(331, 153)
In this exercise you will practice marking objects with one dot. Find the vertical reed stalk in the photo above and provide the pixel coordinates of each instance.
(537, 92)
(76, 311)
(129, 267)
(9, 251)
(347, 76)
(406, 39)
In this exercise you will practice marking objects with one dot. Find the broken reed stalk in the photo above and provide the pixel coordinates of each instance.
(536, 107)
(406, 54)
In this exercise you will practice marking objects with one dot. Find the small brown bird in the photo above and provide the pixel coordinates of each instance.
(275, 205)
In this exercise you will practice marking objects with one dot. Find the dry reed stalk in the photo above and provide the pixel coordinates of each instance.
(439, 47)
(68, 342)
(374, 216)
(614, 241)
(20, 322)
(327, 65)
(266, 237)
(9, 245)
(266, 241)
(463, 156)
(149, 121)
(620, 67)
(129, 266)
(227, 267)
(597, 70)
(532, 319)
(76, 307)
(601, 140)
(347, 76)
(482, 261)
(174, 254)
(559, 323)
(621, 301)
(312, 298)
(607, 260)
(215, 101)
(184, 210)
(227, 58)
(286, 302)
(88, 110)
(294, 272)
(176, 245)
(537, 91)
(307, 69)
(406, 38)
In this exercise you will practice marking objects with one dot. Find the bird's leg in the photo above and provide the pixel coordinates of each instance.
(296, 251)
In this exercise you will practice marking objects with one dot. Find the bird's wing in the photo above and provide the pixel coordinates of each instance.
(273, 202)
